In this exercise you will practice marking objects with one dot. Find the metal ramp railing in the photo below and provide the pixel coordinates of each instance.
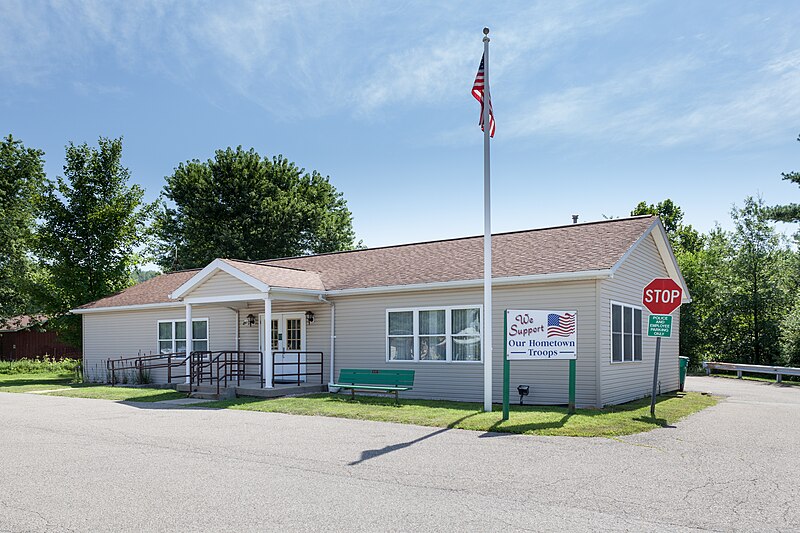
(146, 363)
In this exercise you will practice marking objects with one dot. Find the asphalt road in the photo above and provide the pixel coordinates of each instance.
(69, 464)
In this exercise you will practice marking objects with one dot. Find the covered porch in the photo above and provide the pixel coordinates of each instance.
(253, 327)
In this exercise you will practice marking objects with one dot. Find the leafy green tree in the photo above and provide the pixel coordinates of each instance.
(756, 300)
(240, 205)
(683, 237)
(787, 212)
(92, 223)
(21, 182)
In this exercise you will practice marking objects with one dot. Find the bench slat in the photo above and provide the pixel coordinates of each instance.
(395, 378)
(369, 387)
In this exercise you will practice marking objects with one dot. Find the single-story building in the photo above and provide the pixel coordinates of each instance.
(414, 306)
(27, 337)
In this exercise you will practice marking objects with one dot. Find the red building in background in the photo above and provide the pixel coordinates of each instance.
(26, 336)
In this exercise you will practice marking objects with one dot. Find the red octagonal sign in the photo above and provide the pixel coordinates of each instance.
(662, 296)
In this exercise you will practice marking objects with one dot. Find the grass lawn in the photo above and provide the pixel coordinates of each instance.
(54, 380)
(633, 417)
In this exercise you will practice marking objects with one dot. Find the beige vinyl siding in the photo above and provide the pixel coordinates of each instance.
(131, 333)
(623, 382)
(361, 342)
(221, 284)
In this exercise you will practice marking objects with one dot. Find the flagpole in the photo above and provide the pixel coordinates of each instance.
(487, 236)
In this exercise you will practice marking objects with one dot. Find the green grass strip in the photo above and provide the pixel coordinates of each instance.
(614, 421)
(55, 380)
(123, 394)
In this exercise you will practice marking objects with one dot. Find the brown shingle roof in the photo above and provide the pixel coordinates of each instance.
(279, 276)
(572, 248)
(153, 291)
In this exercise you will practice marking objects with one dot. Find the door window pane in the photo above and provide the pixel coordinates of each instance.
(293, 334)
(274, 335)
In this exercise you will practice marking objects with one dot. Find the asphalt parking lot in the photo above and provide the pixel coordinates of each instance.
(69, 464)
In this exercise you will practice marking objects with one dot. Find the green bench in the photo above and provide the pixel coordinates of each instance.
(385, 381)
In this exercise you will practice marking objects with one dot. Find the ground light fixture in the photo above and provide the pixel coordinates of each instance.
(523, 391)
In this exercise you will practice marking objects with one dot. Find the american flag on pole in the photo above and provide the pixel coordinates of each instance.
(560, 325)
(477, 92)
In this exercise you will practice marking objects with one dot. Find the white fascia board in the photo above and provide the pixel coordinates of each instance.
(224, 298)
(211, 269)
(160, 305)
(472, 283)
(297, 295)
(665, 251)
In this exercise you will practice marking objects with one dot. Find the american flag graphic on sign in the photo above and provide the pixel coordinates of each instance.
(477, 92)
(559, 325)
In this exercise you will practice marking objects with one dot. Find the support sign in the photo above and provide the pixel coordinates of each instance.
(541, 335)
(536, 335)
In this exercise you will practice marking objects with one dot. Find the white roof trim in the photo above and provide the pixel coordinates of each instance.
(511, 280)
(212, 268)
(126, 307)
(664, 250)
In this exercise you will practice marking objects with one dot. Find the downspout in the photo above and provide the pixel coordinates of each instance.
(333, 338)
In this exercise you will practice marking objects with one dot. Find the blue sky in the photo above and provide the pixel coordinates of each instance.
(599, 104)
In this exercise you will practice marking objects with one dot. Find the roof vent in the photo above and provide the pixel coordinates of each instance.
(574, 219)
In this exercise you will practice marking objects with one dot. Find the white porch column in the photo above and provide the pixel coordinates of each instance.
(267, 356)
(188, 340)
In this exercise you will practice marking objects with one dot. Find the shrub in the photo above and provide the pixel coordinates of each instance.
(44, 365)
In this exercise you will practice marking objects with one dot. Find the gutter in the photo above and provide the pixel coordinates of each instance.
(463, 284)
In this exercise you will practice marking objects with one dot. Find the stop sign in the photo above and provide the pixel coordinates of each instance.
(662, 296)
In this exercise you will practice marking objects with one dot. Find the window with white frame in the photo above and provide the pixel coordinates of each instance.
(434, 334)
(626, 333)
(172, 335)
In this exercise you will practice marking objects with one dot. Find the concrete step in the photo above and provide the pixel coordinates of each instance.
(204, 396)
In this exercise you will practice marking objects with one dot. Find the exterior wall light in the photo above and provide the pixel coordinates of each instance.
(250, 320)
(309, 317)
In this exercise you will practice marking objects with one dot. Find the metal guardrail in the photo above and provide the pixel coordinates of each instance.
(779, 371)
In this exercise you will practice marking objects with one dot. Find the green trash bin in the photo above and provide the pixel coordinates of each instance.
(683, 363)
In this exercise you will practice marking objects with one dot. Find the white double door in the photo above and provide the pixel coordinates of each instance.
(288, 335)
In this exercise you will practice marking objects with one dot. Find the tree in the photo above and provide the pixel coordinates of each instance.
(683, 237)
(756, 299)
(21, 181)
(242, 206)
(92, 224)
(786, 212)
